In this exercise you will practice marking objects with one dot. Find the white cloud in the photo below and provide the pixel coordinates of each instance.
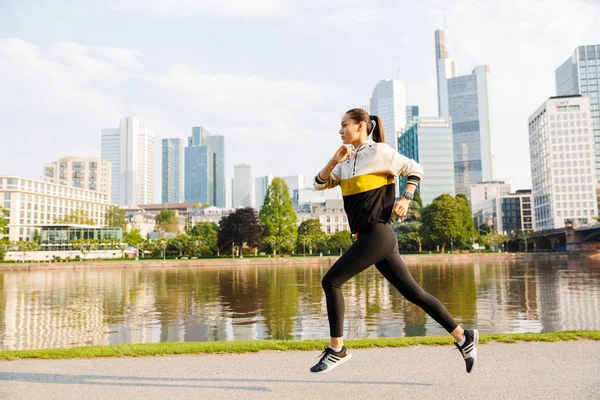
(187, 8)
(57, 100)
(352, 17)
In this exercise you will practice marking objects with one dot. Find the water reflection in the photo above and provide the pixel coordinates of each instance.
(48, 309)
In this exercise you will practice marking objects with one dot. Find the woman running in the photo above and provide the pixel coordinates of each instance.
(367, 178)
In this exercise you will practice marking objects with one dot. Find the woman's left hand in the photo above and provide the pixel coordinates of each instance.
(401, 207)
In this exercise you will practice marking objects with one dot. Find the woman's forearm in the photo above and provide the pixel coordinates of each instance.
(326, 172)
(410, 188)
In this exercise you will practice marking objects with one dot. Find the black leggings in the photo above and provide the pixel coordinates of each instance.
(377, 245)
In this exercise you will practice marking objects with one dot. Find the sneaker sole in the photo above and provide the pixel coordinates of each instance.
(476, 340)
(337, 364)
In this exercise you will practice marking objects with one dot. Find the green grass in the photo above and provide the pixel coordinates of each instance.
(250, 346)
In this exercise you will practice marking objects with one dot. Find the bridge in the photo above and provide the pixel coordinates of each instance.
(586, 239)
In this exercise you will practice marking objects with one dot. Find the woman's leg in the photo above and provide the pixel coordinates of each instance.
(396, 272)
(393, 268)
(366, 251)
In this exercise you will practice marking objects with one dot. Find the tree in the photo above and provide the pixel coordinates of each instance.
(190, 245)
(310, 234)
(167, 221)
(176, 245)
(240, 228)
(79, 217)
(277, 213)
(206, 235)
(525, 237)
(3, 219)
(4, 243)
(409, 237)
(282, 244)
(160, 247)
(3, 248)
(133, 238)
(25, 246)
(85, 245)
(37, 237)
(485, 227)
(441, 221)
(310, 227)
(115, 218)
(467, 227)
(495, 240)
(340, 240)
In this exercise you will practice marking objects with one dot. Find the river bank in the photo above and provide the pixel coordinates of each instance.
(286, 261)
(253, 346)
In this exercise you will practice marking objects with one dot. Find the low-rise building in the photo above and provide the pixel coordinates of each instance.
(209, 214)
(507, 214)
(31, 204)
(332, 216)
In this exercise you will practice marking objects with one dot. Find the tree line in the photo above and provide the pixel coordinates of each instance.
(446, 224)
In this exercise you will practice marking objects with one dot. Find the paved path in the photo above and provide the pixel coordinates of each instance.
(565, 370)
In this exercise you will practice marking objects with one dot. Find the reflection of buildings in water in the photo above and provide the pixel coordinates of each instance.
(30, 323)
(569, 300)
(244, 328)
(311, 321)
(239, 295)
(139, 323)
(507, 298)
(549, 298)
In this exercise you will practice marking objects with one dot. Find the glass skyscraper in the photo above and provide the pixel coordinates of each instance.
(429, 142)
(580, 74)
(205, 166)
(467, 100)
(172, 171)
(196, 173)
(130, 149)
(389, 104)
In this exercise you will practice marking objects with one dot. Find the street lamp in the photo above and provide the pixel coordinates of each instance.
(452, 245)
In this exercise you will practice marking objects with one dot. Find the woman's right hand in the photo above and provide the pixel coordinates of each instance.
(342, 154)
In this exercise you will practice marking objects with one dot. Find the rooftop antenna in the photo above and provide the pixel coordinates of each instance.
(444, 12)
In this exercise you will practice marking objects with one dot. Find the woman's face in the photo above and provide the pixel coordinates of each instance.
(350, 130)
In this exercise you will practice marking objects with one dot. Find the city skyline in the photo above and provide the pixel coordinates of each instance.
(466, 99)
(106, 73)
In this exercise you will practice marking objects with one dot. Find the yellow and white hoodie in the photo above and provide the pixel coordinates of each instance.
(368, 185)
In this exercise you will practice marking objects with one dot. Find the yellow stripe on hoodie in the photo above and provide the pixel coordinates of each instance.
(364, 183)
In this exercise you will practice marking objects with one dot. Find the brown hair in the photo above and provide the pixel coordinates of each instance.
(359, 115)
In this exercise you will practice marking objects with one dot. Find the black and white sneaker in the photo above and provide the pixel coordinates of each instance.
(469, 348)
(331, 359)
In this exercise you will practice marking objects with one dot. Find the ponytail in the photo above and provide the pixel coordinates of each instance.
(376, 129)
(374, 124)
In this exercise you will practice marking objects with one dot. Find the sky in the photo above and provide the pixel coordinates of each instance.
(272, 76)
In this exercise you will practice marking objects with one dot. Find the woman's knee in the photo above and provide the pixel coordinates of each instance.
(328, 283)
